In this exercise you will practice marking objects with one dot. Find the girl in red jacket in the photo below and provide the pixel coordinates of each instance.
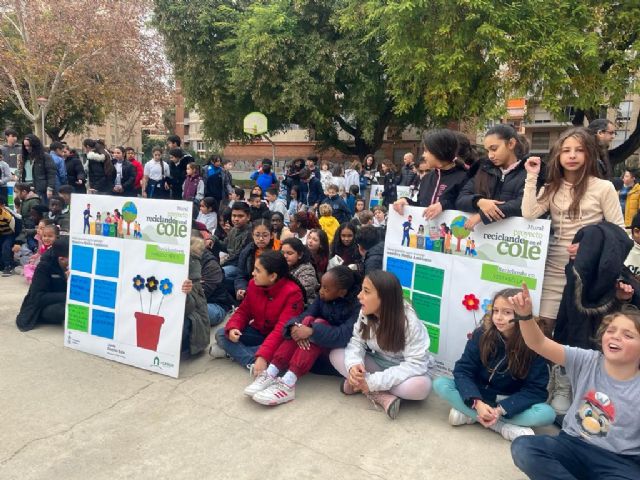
(254, 331)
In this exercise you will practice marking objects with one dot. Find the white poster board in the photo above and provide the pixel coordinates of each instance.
(375, 197)
(451, 274)
(128, 260)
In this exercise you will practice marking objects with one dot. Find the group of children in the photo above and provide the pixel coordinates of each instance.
(295, 302)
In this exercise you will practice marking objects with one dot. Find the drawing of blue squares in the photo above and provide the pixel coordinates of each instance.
(401, 269)
(82, 258)
(102, 323)
(80, 289)
(104, 293)
(108, 263)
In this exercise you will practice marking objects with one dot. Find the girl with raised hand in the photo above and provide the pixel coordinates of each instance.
(495, 191)
(327, 323)
(575, 197)
(387, 358)
(254, 331)
(600, 435)
(301, 267)
(439, 189)
(498, 382)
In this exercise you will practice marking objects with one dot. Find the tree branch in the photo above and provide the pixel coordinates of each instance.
(345, 126)
(18, 95)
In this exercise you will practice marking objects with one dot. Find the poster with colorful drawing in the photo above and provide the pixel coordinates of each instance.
(450, 274)
(128, 260)
(375, 196)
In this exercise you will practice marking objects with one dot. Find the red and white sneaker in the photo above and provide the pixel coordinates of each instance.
(275, 394)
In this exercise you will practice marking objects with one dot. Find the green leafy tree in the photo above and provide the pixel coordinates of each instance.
(295, 61)
(465, 57)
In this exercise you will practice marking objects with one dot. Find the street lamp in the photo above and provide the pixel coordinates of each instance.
(42, 101)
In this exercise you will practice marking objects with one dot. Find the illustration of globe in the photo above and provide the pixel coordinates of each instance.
(129, 212)
(458, 224)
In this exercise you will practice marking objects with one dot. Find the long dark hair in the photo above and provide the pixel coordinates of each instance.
(273, 261)
(392, 322)
(337, 248)
(300, 248)
(484, 182)
(519, 356)
(466, 151)
(555, 172)
(37, 149)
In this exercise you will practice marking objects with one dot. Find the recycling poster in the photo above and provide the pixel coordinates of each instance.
(128, 260)
(450, 274)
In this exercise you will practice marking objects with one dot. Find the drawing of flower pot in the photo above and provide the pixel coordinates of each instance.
(148, 330)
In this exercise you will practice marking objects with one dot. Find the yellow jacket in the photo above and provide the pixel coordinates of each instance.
(329, 225)
(632, 204)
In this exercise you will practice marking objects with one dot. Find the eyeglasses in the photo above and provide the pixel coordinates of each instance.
(261, 235)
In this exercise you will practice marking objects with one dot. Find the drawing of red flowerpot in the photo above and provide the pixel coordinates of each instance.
(148, 330)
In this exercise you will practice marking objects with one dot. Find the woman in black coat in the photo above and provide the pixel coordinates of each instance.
(37, 167)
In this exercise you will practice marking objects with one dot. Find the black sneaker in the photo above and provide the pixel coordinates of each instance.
(7, 272)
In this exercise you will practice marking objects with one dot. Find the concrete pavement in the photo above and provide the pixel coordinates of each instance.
(69, 415)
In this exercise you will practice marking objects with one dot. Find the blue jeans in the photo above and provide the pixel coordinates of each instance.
(569, 458)
(535, 416)
(216, 313)
(244, 351)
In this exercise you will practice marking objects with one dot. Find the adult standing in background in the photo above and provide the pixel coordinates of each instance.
(604, 131)
(11, 149)
(76, 176)
(56, 150)
(37, 167)
(407, 173)
(178, 161)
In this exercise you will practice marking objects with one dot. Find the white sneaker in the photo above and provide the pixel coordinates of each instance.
(261, 382)
(216, 351)
(277, 393)
(561, 394)
(509, 431)
(456, 417)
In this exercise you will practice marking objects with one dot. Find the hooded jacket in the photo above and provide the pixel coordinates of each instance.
(341, 314)
(507, 188)
(213, 281)
(75, 172)
(310, 192)
(373, 258)
(412, 361)
(267, 309)
(48, 286)
(441, 186)
(98, 179)
(44, 174)
(590, 292)
(475, 381)
(631, 205)
(195, 309)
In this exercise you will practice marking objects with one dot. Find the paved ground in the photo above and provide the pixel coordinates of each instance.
(69, 415)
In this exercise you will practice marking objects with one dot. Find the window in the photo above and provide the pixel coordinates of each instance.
(201, 146)
(624, 111)
(540, 141)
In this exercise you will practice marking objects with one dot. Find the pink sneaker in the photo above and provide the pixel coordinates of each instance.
(346, 388)
(387, 401)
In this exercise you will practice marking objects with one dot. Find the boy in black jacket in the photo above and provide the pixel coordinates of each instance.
(45, 301)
